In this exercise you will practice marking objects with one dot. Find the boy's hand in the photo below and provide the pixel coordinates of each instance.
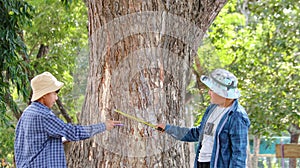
(161, 127)
(110, 124)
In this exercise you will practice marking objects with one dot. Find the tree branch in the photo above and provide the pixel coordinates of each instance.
(63, 111)
(13, 106)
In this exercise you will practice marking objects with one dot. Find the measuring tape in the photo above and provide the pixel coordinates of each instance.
(139, 120)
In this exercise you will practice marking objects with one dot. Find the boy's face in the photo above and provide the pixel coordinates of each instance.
(50, 99)
(215, 98)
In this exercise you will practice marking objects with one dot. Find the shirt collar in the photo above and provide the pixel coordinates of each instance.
(40, 105)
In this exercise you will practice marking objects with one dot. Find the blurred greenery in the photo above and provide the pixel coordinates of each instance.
(6, 142)
(259, 42)
(14, 66)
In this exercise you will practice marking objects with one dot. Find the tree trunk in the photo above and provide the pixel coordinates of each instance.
(293, 161)
(294, 131)
(140, 62)
(249, 156)
(256, 145)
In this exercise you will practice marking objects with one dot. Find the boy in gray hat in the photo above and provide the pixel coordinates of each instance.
(223, 131)
(39, 132)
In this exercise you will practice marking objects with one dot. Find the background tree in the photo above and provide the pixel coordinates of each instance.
(277, 59)
(14, 66)
(55, 39)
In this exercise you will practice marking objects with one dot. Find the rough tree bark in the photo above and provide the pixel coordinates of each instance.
(141, 53)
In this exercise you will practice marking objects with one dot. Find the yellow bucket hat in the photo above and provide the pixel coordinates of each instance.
(44, 83)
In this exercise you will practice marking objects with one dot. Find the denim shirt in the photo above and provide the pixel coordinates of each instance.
(230, 141)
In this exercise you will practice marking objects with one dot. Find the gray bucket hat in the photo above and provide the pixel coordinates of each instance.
(223, 83)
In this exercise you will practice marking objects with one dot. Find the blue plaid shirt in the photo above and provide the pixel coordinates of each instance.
(38, 142)
(231, 139)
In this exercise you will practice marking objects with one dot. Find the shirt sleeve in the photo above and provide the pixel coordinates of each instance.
(55, 127)
(188, 134)
(183, 133)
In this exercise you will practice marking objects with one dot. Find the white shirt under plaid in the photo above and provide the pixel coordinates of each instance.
(38, 142)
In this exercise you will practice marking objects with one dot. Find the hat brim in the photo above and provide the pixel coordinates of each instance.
(52, 88)
(232, 93)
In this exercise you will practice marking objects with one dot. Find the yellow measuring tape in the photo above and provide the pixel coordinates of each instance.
(139, 120)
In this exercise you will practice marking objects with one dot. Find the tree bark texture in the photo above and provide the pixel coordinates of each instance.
(141, 53)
